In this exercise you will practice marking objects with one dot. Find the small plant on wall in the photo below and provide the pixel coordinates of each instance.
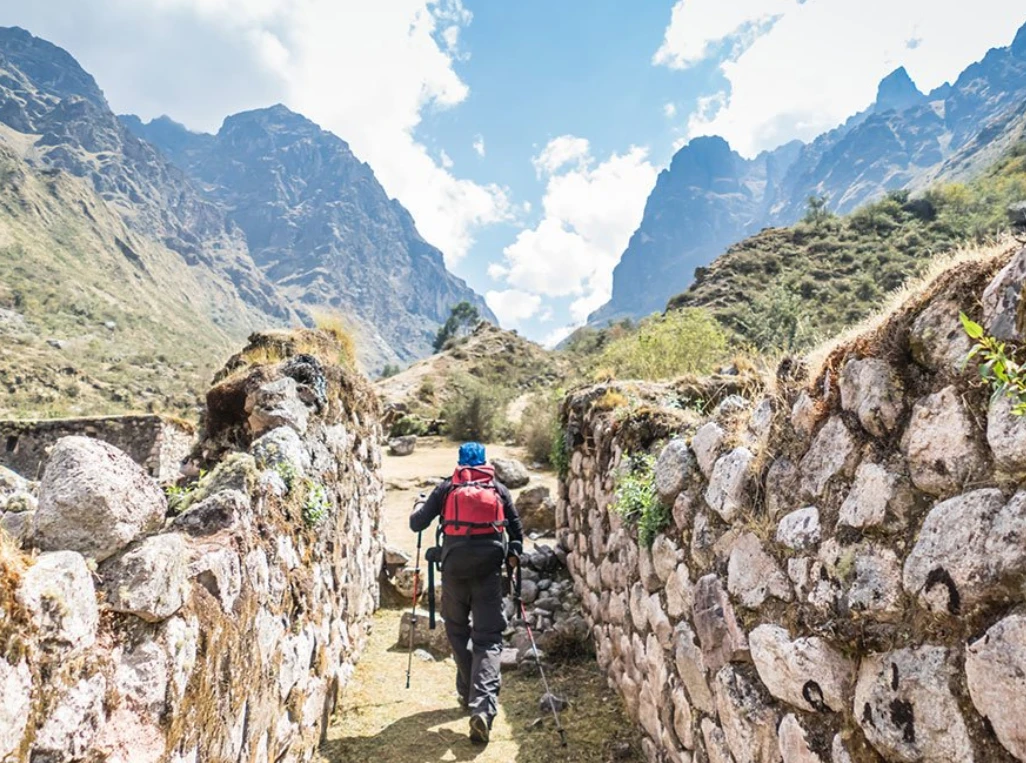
(999, 368)
(636, 500)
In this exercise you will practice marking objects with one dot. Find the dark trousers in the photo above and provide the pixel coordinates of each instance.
(474, 622)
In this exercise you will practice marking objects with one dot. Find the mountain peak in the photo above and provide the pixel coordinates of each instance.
(172, 137)
(703, 158)
(708, 145)
(48, 66)
(897, 92)
(1019, 43)
(278, 116)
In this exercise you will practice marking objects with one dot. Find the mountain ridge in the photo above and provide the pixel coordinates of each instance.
(295, 188)
(905, 139)
(276, 214)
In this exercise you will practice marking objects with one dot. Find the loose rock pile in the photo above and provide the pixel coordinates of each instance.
(842, 576)
(224, 631)
(552, 607)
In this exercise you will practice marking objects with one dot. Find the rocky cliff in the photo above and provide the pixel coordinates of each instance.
(838, 558)
(60, 120)
(319, 225)
(253, 228)
(710, 197)
(221, 627)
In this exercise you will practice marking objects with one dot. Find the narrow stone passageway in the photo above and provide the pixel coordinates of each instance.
(380, 720)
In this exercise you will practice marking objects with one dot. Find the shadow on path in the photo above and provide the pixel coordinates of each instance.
(417, 737)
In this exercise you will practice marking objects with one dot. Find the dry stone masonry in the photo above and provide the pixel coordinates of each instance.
(841, 577)
(221, 627)
(157, 443)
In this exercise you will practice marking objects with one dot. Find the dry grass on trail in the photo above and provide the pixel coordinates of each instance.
(381, 720)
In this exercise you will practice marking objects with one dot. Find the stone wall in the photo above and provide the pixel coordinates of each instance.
(841, 577)
(221, 628)
(157, 443)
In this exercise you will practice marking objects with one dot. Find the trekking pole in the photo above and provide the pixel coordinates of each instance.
(413, 611)
(541, 670)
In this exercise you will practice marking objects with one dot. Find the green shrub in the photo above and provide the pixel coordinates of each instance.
(288, 473)
(635, 499)
(389, 371)
(777, 321)
(475, 411)
(407, 425)
(538, 426)
(680, 342)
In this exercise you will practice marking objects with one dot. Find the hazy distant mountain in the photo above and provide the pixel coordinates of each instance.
(60, 120)
(318, 222)
(273, 216)
(710, 197)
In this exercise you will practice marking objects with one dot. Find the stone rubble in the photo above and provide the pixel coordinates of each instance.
(402, 446)
(537, 510)
(800, 530)
(807, 672)
(729, 485)
(904, 705)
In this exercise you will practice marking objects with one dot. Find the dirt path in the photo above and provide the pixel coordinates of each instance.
(381, 721)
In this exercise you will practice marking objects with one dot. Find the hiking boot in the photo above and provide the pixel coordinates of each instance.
(479, 729)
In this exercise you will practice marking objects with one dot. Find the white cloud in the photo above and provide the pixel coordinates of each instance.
(566, 149)
(513, 306)
(479, 145)
(364, 71)
(797, 69)
(556, 336)
(669, 110)
(444, 159)
(590, 212)
(698, 28)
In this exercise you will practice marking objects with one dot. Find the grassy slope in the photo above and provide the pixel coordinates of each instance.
(68, 266)
(500, 358)
(829, 274)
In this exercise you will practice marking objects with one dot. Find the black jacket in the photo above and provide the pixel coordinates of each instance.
(432, 508)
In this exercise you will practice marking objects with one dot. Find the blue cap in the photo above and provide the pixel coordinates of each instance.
(472, 454)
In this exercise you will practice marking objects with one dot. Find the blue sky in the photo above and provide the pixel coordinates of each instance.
(523, 136)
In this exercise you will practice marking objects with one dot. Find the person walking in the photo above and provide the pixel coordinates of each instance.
(475, 512)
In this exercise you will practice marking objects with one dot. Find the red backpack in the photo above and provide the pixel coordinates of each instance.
(473, 505)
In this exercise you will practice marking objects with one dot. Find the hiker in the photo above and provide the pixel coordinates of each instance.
(473, 509)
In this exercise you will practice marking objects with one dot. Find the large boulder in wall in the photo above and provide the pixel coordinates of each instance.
(95, 500)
